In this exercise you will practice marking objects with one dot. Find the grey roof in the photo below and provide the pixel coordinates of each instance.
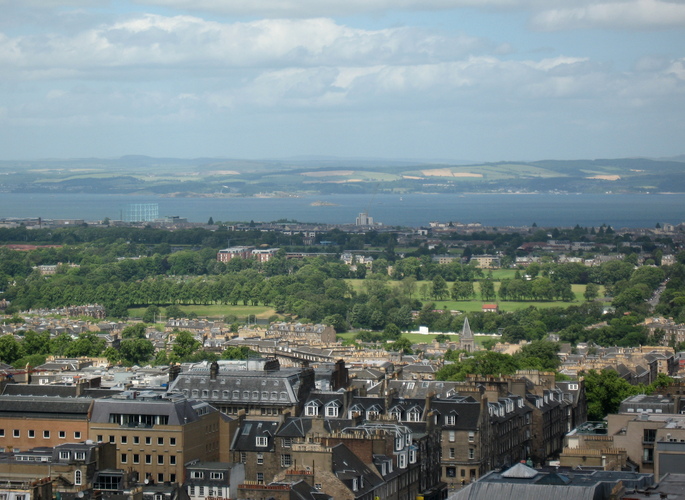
(245, 438)
(346, 466)
(179, 411)
(45, 407)
(295, 427)
(223, 387)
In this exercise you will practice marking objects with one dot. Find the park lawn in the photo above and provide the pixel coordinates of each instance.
(216, 311)
(417, 338)
(501, 274)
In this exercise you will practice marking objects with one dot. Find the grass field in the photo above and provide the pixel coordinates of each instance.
(476, 305)
(216, 311)
(417, 338)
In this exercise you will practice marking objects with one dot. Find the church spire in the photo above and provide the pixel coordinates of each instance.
(466, 330)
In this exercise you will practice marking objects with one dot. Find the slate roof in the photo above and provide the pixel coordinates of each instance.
(45, 407)
(245, 438)
(347, 466)
(468, 413)
(179, 411)
(295, 427)
(288, 381)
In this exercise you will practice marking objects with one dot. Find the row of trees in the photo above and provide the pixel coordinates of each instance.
(32, 348)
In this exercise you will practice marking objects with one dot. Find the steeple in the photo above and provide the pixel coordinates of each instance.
(466, 330)
(466, 341)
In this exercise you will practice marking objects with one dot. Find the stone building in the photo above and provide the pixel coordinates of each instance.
(156, 435)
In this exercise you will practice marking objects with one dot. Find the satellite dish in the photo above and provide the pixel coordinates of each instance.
(147, 481)
(80, 494)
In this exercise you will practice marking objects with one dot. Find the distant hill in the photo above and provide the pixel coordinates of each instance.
(325, 175)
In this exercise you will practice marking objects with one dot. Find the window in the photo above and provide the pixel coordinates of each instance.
(402, 460)
(260, 458)
(451, 453)
(77, 477)
(262, 441)
(172, 460)
(412, 455)
(124, 458)
(99, 438)
(46, 434)
(62, 434)
(172, 441)
(202, 491)
(243, 457)
(172, 478)
(287, 442)
(413, 416)
(451, 471)
(196, 474)
(77, 434)
(64, 455)
(80, 455)
(216, 475)
(648, 455)
(124, 439)
(136, 439)
(311, 410)
(160, 459)
(112, 439)
(160, 478)
(452, 436)
(286, 460)
(355, 484)
(332, 411)
(148, 440)
(32, 434)
(472, 453)
(148, 459)
(260, 478)
(160, 441)
(136, 458)
(472, 436)
(2, 433)
(649, 435)
(450, 420)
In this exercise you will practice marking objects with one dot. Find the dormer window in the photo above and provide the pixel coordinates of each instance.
(312, 409)
(332, 409)
(413, 415)
(450, 420)
(262, 441)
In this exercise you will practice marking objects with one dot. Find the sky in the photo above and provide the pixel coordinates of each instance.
(434, 80)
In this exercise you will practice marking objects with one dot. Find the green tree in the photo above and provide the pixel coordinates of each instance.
(151, 314)
(487, 290)
(591, 291)
(241, 352)
(604, 392)
(135, 331)
(439, 288)
(136, 351)
(10, 349)
(402, 345)
(185, 345)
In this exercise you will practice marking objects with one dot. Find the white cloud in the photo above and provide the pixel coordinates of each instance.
(318, 8)
(152, 42)
(632, 14)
